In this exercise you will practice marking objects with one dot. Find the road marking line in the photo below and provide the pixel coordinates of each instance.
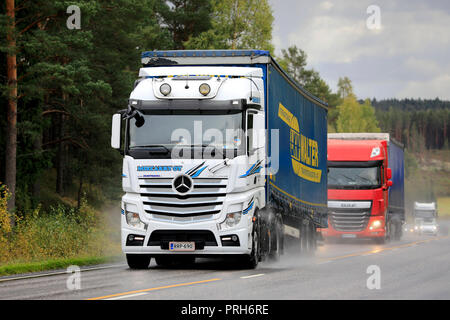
(253, 276)
(382, 250)
(153, 289)
(59, 273)
(128, 296)
(324, 262)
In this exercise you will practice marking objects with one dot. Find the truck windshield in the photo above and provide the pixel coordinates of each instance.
(188, 128)
(424, 213)
(354, 178)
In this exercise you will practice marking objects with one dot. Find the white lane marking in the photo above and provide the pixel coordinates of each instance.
(324, 262)
(253, 276)
(59, 273)
(128, 296)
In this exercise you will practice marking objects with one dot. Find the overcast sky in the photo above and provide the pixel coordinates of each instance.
(408, 57)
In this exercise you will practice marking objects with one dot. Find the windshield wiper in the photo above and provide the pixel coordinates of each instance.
(364, 178)
(165, 149)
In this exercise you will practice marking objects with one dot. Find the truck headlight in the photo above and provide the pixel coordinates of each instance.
(232, 219)
(132, 217)
(376, 224)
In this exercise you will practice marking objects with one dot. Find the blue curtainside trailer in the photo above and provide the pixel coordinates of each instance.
(396, 162)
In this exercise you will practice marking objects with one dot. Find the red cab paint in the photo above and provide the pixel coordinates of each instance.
(359, 182)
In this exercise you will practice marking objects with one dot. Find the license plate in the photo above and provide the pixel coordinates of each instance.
(349, 235)
(181, 246)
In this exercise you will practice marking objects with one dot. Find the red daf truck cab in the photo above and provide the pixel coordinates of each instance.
(362, 200)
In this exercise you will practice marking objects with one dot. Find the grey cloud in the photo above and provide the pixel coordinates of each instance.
(408, 57)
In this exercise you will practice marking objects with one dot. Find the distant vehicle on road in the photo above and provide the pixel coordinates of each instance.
(408, 228)
(425, 215)
(365, 187)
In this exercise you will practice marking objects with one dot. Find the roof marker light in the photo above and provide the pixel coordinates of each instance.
(204, 89)
(165, 89)
(375, 152)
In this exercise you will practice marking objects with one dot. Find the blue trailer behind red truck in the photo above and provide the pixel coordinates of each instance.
(269, 180)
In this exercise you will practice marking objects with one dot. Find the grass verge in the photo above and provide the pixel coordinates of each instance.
(443, 205)
(54, 264)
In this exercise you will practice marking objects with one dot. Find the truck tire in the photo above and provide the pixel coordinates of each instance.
(307, 238)
(276, 241)
(380, 240)
(399, 231)
(138, 261)
(251, 261)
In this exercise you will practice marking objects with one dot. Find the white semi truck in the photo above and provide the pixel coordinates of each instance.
(425, 218)
(223, 153)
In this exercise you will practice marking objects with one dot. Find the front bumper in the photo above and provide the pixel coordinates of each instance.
(211, 226)
(368, 232)
(427, 230)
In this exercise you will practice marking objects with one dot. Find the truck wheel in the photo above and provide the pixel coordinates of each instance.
(380, 240)
(138, 261)
(276, 242)
(251, 261)
(306, 238)
(311, 239)
(399, 233)
(303, 238)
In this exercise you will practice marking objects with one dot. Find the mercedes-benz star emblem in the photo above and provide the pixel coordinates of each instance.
(182, 184)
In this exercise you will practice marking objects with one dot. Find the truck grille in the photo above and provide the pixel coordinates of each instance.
(349, 219)
(161, 201)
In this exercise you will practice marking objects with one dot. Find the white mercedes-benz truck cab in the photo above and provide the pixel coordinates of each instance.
(193, 168)
(224, 154)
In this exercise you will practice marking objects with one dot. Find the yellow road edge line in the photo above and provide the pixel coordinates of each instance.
(405, 245)
(153, 289)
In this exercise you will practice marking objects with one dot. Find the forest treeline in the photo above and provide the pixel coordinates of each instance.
(69, 82)
(418, 124)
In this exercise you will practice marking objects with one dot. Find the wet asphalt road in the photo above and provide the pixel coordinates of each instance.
(417, 267)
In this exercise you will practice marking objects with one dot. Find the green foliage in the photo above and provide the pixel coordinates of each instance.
(355, 117)
(411, 164)
(52, 264)
(293, 61)
(185, 19)
(62, 232)
(419, 129)
(345, 87)
(237, 24)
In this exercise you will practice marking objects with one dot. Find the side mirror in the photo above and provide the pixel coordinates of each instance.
(389, 173)
(259, 137)
(389, 183)
(115, 131)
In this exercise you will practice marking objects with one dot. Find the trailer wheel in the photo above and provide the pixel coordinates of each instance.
(399, 231)
(138, 261)
(307, 238)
